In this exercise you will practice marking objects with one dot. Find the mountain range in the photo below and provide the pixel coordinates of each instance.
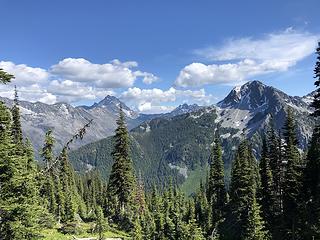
(175, 144)
(178, 145)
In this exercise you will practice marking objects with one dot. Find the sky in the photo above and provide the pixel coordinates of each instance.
(155, 55)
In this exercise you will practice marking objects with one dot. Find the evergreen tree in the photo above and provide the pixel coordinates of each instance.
(16, 130)
(242, 192)
(19, 205)
(19, 199)
(100, 223)
(216, 187)
(122, 184)
(137, 230)
(267, 190)
(292, 179)
(140, 196)
(316, 100)
(68, 188)
(255, 227)
(274, 154)
(194, 231)
(5, 77)
(48, 188)
(157, 210)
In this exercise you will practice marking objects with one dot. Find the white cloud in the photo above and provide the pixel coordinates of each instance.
(72, 80)
(249, 57)
(148, 108)
(25, 75)
(147, 78)
(153, 100)
(69, 91)
(115, 74)
(32, 93)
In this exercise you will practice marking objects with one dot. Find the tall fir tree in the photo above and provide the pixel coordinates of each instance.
(49, 182)
(274, 152)
(316, 100)
(216, 186)
(267, 191)
(16, 129)
(19, 198)
(292, 179)
(242, 193)
(68, 187)
(311, 188)
(122, 182)
(311, 175)
(256, 229)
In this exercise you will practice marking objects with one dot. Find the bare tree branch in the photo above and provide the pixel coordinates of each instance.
(79, 135)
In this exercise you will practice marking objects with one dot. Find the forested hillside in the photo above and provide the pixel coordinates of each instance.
(179, 146)
(274, 194)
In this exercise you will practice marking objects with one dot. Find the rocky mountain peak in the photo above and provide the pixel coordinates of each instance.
(253, 95)
(184, 108)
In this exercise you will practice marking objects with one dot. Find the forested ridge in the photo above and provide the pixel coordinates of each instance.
(276, 197)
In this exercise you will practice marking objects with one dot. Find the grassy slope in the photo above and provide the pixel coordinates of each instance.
(54, 234)
(191, 184)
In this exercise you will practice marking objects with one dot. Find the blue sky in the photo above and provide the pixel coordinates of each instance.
(155, 55)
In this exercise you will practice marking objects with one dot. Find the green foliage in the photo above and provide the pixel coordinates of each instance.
(19, 199)
(137, 230)
(292, 179)
(5, 77)
(183, 141)
(267, 191)
(71, 228)
(216, 192)
(311, 188)
(255, 229)
(16, 130)
(316, 100)
(242, 192)
(100, 223)
(122, 179)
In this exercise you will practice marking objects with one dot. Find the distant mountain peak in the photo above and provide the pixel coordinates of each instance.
(250, 95)
(110, 102)
(185, 108)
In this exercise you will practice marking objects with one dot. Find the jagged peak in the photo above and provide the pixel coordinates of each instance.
(251, 95)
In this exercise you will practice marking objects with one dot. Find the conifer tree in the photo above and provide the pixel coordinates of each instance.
(267, 190)
(292, 179)
(274, 152)
(255, 229)
(242, 192)
(100, 223)
(316, 100)
(194, 231)
(18, 193)
(311, 187)
(311, 174)
(19, 199)
(16, 129)
(49, 187)
(122, 184)
(216, 187)
(5, 77)
(137, 230)
(68, 188)
(140, 196)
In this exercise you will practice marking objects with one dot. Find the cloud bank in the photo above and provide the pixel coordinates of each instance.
(248, 57)
(73, 79)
